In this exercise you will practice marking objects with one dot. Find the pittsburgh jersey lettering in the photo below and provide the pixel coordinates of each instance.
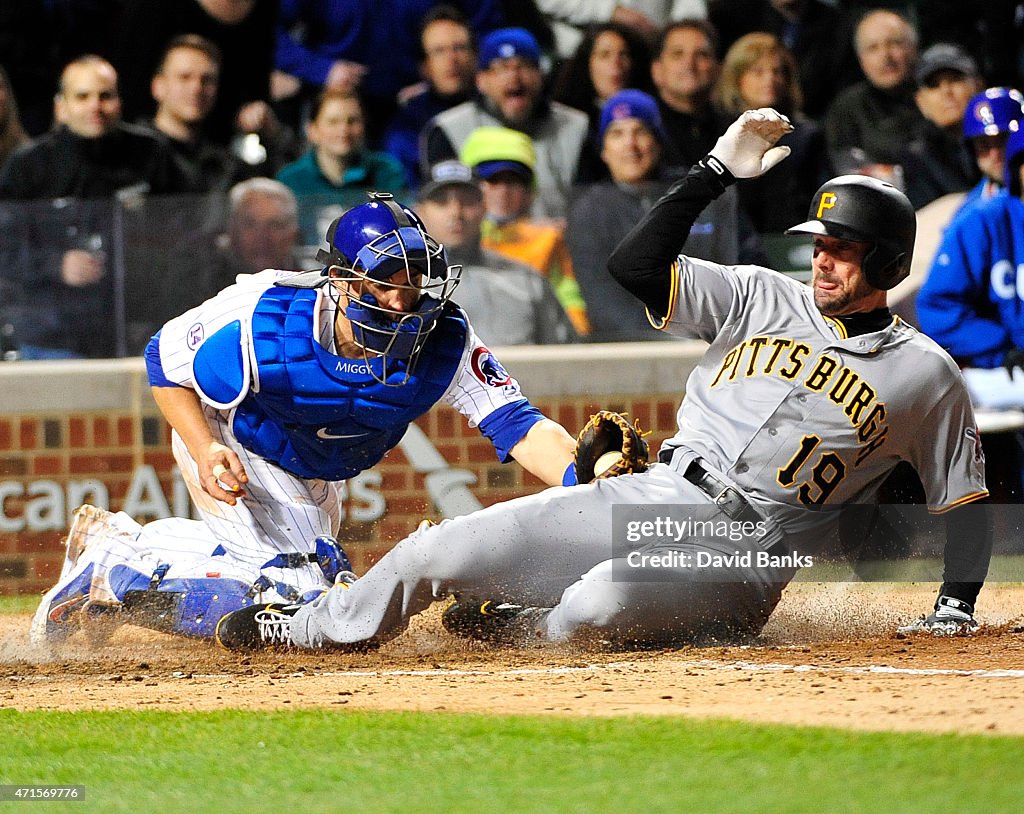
(792, 361)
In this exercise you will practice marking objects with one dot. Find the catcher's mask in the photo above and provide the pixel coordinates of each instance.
(374, 242)
(861, 208)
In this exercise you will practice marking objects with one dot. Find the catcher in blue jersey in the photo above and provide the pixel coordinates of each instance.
(279, 389)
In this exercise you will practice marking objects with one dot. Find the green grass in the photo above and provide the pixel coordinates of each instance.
(19, 604)
(311, 761)
(317, 760)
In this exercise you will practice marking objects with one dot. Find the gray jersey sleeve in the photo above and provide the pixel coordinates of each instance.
(949, 460)
(708, 298)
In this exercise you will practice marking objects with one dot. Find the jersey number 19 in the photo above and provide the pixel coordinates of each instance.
(826, 474)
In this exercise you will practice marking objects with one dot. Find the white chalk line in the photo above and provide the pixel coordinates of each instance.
(704, 664)
(877, 669)
(740, 666)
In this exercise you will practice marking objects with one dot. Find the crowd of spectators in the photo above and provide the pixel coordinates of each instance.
(151, 151)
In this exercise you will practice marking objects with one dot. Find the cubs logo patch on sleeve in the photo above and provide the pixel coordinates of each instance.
(488, 369)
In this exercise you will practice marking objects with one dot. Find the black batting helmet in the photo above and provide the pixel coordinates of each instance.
(857, 207)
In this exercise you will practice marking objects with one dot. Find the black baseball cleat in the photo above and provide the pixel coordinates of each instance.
(257, 627)
(488, 621)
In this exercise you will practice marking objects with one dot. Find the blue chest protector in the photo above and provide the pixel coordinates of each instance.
(318, 415)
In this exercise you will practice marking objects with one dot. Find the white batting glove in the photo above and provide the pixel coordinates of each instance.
(747, 149)
(951, 617)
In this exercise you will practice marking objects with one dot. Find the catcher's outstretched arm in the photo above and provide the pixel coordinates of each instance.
(641, 262)
(546, 450)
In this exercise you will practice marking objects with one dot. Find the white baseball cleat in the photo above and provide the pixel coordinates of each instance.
(57, 616)
(65, 608)
(85, 523)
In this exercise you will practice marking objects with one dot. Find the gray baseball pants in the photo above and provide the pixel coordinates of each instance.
(555, 550)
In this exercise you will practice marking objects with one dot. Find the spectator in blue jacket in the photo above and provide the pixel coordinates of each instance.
(364, 44)
(448, 54)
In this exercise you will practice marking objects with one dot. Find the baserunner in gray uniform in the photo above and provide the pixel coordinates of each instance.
(807, 398)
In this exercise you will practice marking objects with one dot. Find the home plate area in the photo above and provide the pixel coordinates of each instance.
(828, 657)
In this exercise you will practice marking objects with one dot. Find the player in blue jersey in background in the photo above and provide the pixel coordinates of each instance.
(278, 389)
(991, 116)
(972, 302)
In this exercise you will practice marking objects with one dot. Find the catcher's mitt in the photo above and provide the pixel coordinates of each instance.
(608, 432)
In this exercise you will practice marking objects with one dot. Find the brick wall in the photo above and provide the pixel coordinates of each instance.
(79, 432)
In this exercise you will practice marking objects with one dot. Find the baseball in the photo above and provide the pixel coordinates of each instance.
(606, 462)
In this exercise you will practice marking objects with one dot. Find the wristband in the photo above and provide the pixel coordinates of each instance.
(569, 478)
(716, 173)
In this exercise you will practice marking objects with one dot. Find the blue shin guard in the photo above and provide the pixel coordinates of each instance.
(186, 607)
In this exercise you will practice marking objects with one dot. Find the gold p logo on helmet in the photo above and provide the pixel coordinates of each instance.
(827, 201)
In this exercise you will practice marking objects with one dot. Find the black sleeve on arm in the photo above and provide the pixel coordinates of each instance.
(968, 550)
(641, 262)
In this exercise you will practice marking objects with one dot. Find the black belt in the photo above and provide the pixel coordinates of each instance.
(729, 499)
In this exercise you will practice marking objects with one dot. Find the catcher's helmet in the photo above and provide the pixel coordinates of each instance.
(374, 241)
(993, 111)
(1014, 158)
(858, 207)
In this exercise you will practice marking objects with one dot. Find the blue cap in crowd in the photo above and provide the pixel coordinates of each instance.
(993, 111)
(632, 104)
(505, 43)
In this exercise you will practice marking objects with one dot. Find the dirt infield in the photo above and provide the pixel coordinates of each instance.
(828, 657)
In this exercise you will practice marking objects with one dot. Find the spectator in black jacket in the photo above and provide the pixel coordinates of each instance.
(819, 33)
(611, 57)
(684, 70)
(938, 161)
(759, 71)
(185, 90)
(869, 122)
(56, 253)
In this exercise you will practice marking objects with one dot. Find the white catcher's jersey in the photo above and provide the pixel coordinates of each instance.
(801, 416)
(477, 390)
